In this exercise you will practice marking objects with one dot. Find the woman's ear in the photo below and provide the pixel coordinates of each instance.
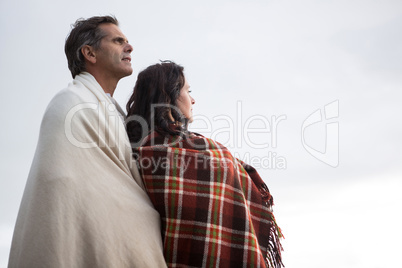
(89, 53)
(170, 115)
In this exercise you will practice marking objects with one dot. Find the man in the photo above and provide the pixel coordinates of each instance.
(84, 204)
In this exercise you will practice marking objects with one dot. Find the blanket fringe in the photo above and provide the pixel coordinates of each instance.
(274, 248)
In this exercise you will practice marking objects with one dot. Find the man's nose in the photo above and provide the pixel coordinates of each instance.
(128, 48)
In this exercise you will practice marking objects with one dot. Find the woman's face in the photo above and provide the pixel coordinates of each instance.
(185, 102)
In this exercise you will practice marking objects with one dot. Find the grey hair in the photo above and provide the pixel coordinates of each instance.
(84, 32)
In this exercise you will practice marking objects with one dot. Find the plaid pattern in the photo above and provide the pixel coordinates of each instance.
(215, 209)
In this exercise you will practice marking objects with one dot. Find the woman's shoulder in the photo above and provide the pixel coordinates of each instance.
(185, 140)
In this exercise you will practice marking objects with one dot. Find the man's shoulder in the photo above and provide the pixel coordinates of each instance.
(74, 93)
(71, 96)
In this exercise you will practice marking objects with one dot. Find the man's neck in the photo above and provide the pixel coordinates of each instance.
(107, 86)
(107, 83)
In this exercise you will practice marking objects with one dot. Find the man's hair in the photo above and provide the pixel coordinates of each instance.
(84, 32)
(154, 99)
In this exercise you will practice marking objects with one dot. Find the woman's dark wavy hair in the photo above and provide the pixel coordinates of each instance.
(153, 100)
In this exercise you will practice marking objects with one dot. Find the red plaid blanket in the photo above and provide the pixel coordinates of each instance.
(215, 209)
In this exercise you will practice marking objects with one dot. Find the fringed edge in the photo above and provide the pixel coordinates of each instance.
(274, 257)
(274, 248)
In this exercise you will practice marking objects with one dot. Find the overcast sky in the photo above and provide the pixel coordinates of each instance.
(262, 73)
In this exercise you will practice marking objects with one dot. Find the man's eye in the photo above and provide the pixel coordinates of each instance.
(120, 41)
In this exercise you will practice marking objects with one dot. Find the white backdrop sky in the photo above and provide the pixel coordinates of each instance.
(266, 58)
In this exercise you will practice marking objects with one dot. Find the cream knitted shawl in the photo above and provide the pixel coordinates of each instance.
(84, 203)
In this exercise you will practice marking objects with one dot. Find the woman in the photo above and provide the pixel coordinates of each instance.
(215, 210)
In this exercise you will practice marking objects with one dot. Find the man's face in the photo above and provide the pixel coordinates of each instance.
(113, 56)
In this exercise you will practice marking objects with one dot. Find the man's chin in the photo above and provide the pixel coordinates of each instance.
(128, 72)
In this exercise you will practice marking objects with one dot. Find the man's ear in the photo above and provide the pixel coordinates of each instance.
(89, 53)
